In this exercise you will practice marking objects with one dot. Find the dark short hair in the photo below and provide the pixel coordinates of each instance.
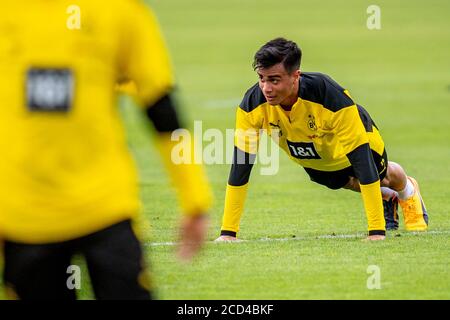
(276, 51)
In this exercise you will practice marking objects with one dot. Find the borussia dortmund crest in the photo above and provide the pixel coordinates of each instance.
(312, 123)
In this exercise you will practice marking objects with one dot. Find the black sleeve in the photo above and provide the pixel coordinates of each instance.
(163, 115)
(241, 167)
(363, 164)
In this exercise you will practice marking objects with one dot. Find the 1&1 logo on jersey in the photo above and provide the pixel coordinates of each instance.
(303, 150)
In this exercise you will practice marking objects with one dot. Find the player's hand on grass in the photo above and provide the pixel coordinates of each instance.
(226, 239)
(375, 237)
(193, 231)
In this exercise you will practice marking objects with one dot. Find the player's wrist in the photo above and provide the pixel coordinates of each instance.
(196, 215)
(377, 232)
(228, 233)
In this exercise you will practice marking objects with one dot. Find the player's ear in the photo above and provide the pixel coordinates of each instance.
(296, 75)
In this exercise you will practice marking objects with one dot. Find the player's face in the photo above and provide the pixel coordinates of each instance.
(279, 86)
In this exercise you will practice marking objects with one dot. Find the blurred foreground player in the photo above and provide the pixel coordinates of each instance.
(68, 183)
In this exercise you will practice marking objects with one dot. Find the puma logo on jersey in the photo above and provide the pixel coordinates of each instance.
(277, 127)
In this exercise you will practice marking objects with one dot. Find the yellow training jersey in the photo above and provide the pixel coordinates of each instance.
(320, 130)
(323, 126)
(65, 169)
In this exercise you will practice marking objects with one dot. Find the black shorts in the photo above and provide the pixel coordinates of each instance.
(113, 257)
(338, 179)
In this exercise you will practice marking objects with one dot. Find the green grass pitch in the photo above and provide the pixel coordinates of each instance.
(399, 73)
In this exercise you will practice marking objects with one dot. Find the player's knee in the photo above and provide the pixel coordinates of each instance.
(395, 175)
(394, 171)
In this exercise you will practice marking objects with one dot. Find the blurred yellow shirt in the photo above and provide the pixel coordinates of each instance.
(65, 170)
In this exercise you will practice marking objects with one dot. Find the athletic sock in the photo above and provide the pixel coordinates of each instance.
(407, 192)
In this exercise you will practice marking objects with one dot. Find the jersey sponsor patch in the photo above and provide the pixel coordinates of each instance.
(49, 90)
(303, 150)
